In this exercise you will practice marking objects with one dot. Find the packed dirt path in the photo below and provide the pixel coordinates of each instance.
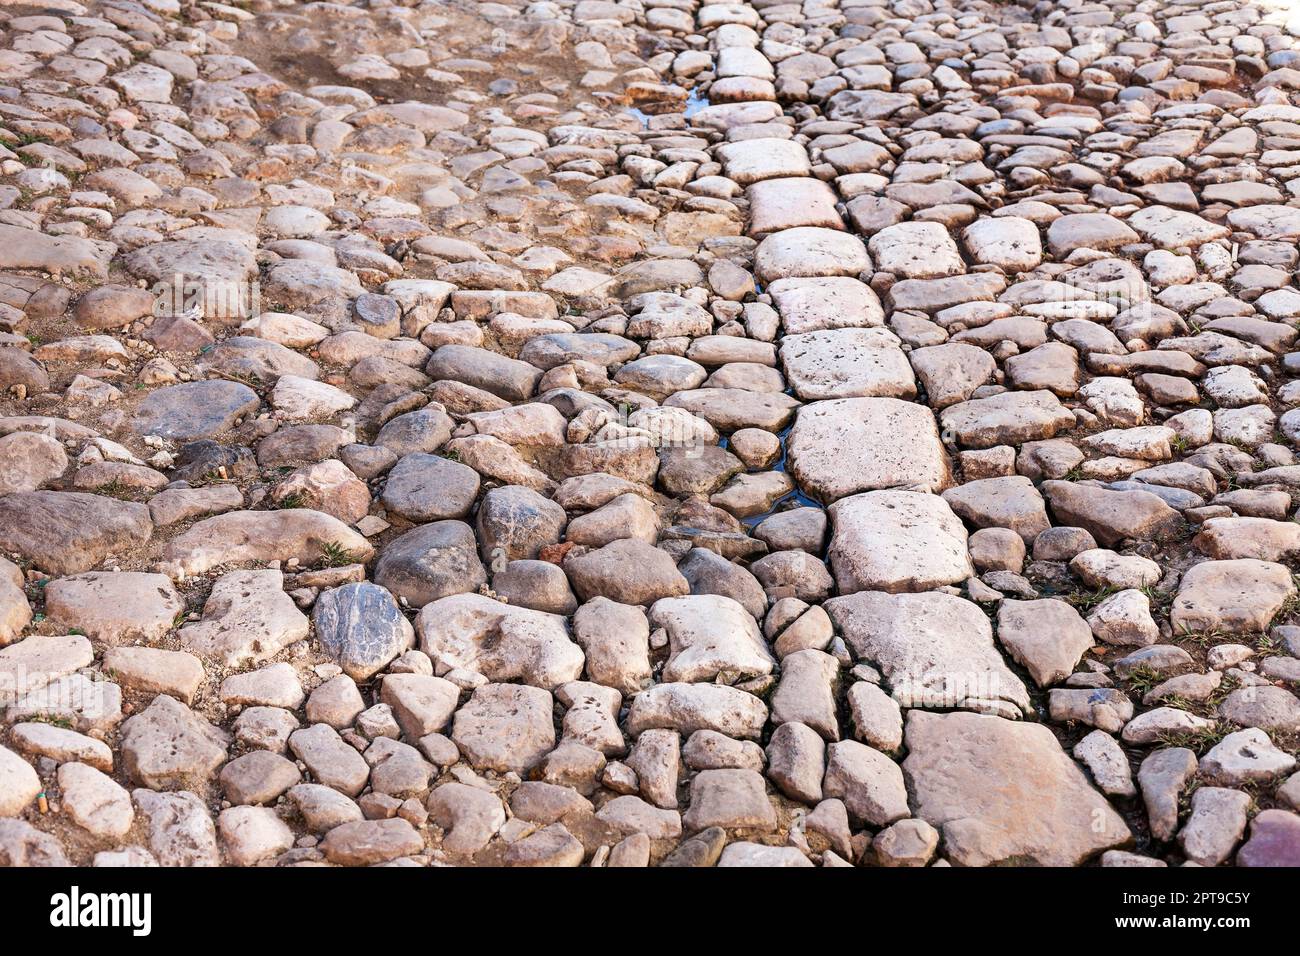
(649, 433)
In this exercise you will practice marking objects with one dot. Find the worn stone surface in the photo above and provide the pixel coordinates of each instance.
(499, 641)
(113, 608)
(65, 532)
(169, 747)
(896, 541)
(1000, 791)
(616, 434)
(1048, 637)
(1240, 596)
(361, 626)
(710, 634)
(19, 784)
(297, 534)
(841, 447)
(936, 650)
(247, 618)
(505, 727)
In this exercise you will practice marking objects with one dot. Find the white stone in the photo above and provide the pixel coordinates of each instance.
(844, 446)
(896, 541)
(1009, 242)
(916, 250)
(847, 363)
(708, 635)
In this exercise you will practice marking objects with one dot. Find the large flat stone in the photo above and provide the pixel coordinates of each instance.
(730, 409)
(935, 650)
(215, 270)
(709, 634)
(847, 363)
(952, 371)
(848, 445)
(1175, 228)
(933, 295)
(114, 606)
(896, 541)
(777, 204)
(832, 302)
(1009, 242)
(64, 255)
(752, 160)
(1091, 230)
(916, 250)
(247, 619)
(1111, 516)
(34, 662)
(1047, 637)
(239, 537)
(1238, 597)
(1008, 502)
(1004, 792)
(1267, 221)
(169, 747)
(179, 828)
(505, 727)
(809, 251)
(500, 641)
(65, 532)
(19, 784)
(687, 708)
(1008, 418)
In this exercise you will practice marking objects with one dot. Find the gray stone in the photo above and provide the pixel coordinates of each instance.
(194, 410)
(329, 759)
(360, 626)
(19, 784)
(431, 562)
(423, 487)
(515, 522)
(248, 618)
(731, 799)
(1162, 777)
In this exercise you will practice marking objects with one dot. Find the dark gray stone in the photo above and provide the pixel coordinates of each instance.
(360, 626)
(194, 410)
(430, 562)
(201, 461)
(429, 488)
(380, 315)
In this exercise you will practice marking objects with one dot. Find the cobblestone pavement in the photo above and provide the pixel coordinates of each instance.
(856, 432)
